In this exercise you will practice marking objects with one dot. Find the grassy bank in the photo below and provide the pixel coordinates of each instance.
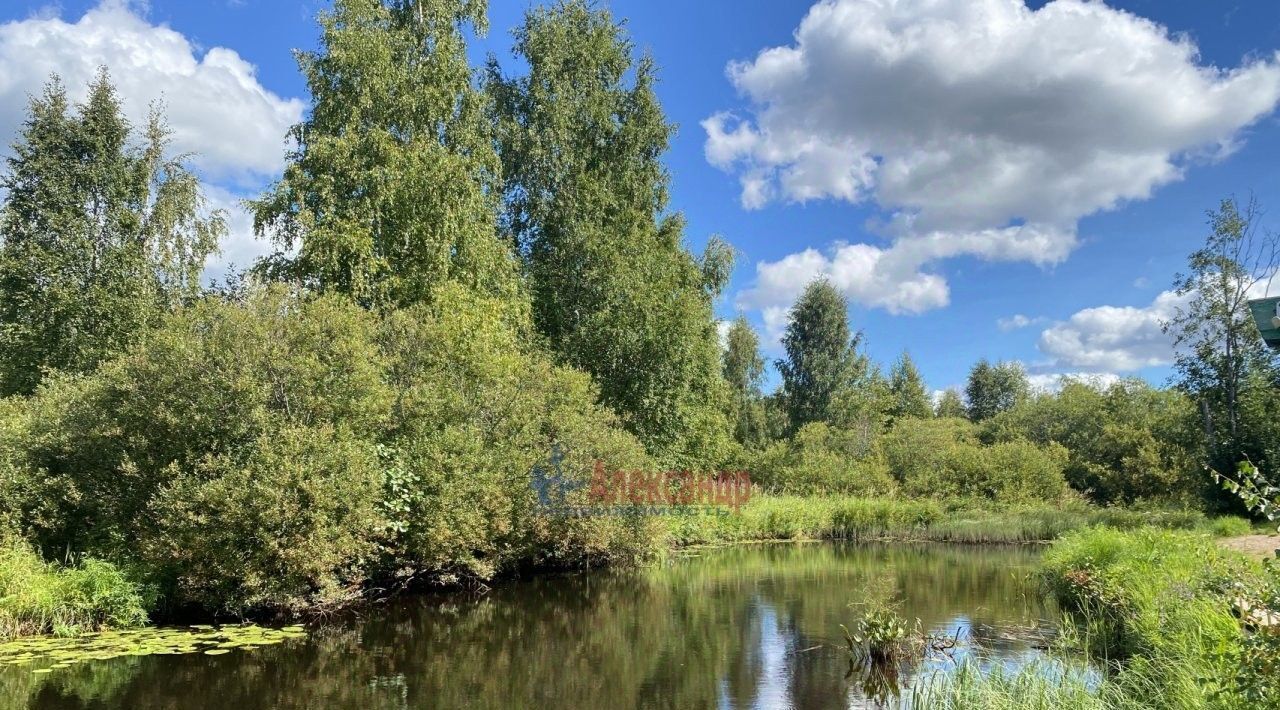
(850, 518)
(38, 597)
(41, 597)
(1155, 609)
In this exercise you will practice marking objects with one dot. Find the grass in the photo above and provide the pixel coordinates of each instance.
(771, 517)
(1153, 608)
(1031, 687)
(38, 597)
(1157, 606)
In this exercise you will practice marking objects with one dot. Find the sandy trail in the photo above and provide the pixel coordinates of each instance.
(1259, 546)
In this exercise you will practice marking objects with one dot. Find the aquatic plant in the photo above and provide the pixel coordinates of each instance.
(882, 635)
(45, 654)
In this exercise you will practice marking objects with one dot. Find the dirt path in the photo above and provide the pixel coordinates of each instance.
(1259, 546)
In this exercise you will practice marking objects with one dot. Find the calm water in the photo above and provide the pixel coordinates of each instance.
(745, 627)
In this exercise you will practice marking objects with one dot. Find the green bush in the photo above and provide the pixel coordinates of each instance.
(282, 452)
(1126, 443)
(295, 522)
(475, 413)
(823, 459)
(943, 458)
(41, 597)
(1162, 601)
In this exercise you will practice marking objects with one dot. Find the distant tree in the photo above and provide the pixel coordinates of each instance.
(392, 188)
(908, 396)
(744, 371)
(615, 292)
(1220, 358)
(951, 404)
(992, 389)
(822, 362)
(103, 231)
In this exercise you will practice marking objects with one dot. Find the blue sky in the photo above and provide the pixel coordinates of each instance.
(978, 161)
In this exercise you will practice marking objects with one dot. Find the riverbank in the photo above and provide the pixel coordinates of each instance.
(1157, 610)
(957, 521)
(38, 597)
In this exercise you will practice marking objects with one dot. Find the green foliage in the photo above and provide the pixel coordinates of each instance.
(908, 396)
(100, 237)
(38, 597)
(1220, 358)
(992, 389)
(823, 459)
(881, 635)
(281, 452)
(951, 405)
(1253, 489)
(392, 188)
(1126, 443)
(295, 523)
(942, 458)
(474, 414)
(824, 376)
(1162, 601)
(614, 290)
(744, 371)
(1257, 660)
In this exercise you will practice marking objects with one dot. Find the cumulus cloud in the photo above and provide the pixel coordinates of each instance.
(240, 248)
(980, 127)
(1114, 338)
(1122, 338)
(214, 103)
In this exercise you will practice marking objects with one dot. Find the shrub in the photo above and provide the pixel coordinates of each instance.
(41, 597)
(1126, 442)
(1160, 599)
(294, 524)
(280, 451)
(943, 459)
(823, 459)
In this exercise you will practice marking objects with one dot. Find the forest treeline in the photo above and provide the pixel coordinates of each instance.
(469, 267)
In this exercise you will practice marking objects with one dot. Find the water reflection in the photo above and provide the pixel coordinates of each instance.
(746, 627)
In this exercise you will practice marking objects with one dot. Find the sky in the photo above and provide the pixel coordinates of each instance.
(991, 179)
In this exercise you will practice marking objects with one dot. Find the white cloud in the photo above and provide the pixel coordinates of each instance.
(1114, 338)
(217, 108)
(980, 127)
(1017, 321)
(240, 248)
(1121, 338)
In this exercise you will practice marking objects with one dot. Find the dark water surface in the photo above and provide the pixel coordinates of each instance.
(745, 627)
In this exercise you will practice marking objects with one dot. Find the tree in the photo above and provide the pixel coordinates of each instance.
(614, 291)
(909, 398)
(1220, 358)
(951, 404)
(100, 238)
(392, 188)
(995, 388)
(822, 363)
(744, 371)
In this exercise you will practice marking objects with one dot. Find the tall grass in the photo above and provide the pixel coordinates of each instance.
(1157, 604)
(772, 517)
(1032, 687)
(38, 597)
